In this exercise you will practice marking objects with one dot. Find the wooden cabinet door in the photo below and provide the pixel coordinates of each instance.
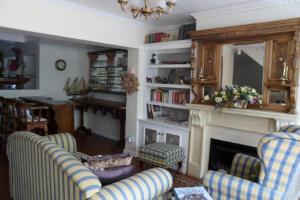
(281, 53)
(209, 54)
(151, 135)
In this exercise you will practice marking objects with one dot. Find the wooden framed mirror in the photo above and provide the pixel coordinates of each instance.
(264, 56)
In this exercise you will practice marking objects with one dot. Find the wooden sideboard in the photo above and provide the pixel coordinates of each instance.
(61, 117)
(116, 109)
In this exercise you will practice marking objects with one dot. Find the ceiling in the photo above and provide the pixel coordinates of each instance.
(181, 13)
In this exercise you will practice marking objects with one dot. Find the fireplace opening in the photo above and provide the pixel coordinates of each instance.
(221, 154)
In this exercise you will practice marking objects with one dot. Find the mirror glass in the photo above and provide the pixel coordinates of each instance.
(279, 97)
(208, 90)
(18, 65)
(243, 65)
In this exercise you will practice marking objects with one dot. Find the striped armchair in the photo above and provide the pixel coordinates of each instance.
(279, 172)
(45, 168)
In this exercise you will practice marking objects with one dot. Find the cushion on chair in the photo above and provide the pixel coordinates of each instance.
(290, 129)
(107, 161)
(79, 155)
(110, 168)
(162, 154)
(246, 167)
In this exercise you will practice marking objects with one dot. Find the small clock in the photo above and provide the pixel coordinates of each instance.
(60, 65)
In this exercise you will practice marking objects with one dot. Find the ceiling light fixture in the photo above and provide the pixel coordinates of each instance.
(139, 8)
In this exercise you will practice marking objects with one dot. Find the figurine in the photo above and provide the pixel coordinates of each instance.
(201, 74)
(284, 76)
(154, 59)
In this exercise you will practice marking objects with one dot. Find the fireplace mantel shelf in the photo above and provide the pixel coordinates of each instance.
(280, 118)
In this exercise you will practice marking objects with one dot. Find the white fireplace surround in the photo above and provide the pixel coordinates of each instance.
(241, 126)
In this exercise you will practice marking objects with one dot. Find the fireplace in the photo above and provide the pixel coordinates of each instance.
(221, 154)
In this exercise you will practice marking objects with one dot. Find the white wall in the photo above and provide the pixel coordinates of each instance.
(227, 69)
(134, 103)
(57, 18)
(51, 80)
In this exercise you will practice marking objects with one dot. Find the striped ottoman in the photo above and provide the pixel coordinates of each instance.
(162, 155)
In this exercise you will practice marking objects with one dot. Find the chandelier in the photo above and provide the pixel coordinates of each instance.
(156, 7)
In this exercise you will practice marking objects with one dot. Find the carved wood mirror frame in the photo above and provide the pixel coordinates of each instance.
(282, 40)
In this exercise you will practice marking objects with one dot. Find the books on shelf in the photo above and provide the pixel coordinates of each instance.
(153, 111)
(169, 96)
(195, 193)
(184, 30)
(157, 37)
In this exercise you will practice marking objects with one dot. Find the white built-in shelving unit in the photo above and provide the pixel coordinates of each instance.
(170, 122)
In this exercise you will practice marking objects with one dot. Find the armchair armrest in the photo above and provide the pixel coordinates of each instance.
(65, 141)
(221, 186)
(245, 167)
(149, 184)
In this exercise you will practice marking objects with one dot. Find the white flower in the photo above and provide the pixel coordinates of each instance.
(218, 99)
(260, 101)
(223, 93)
(234, 91)
(253, 90)
(206, 97)
(243, 89)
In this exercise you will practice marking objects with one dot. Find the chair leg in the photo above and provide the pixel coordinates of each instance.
(179, 166)
(46, 130)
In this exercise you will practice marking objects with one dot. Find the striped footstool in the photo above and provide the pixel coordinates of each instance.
(162, 155)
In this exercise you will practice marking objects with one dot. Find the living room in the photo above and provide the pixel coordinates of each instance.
(203, 83)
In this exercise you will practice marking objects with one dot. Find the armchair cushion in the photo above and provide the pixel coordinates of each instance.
(246, 167)
(149, 184)
(224, 186)
(290, 129)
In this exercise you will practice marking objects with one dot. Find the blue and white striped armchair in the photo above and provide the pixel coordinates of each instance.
(278, 167)
(46, 168)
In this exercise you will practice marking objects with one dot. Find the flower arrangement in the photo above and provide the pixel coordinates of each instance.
(235, 96)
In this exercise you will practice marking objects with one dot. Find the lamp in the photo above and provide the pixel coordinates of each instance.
(156, 7)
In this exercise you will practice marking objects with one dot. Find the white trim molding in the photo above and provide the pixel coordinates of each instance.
(200, 115)
(246, 7)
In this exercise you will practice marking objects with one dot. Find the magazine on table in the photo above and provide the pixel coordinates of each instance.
(192, 193)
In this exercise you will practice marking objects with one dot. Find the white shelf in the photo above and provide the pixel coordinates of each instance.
(165, 124)
(172, 66)
(174, 86)
(179, 106)
(171, 45)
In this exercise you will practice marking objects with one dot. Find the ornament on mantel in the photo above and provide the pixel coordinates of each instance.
(130, 82)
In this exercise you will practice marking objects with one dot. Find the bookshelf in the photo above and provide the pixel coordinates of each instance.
(165, 117)
(169, 105)
(106, 71)
(179, 66)
(175, 86)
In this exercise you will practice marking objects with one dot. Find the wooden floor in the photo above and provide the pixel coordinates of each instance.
(4, 188)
